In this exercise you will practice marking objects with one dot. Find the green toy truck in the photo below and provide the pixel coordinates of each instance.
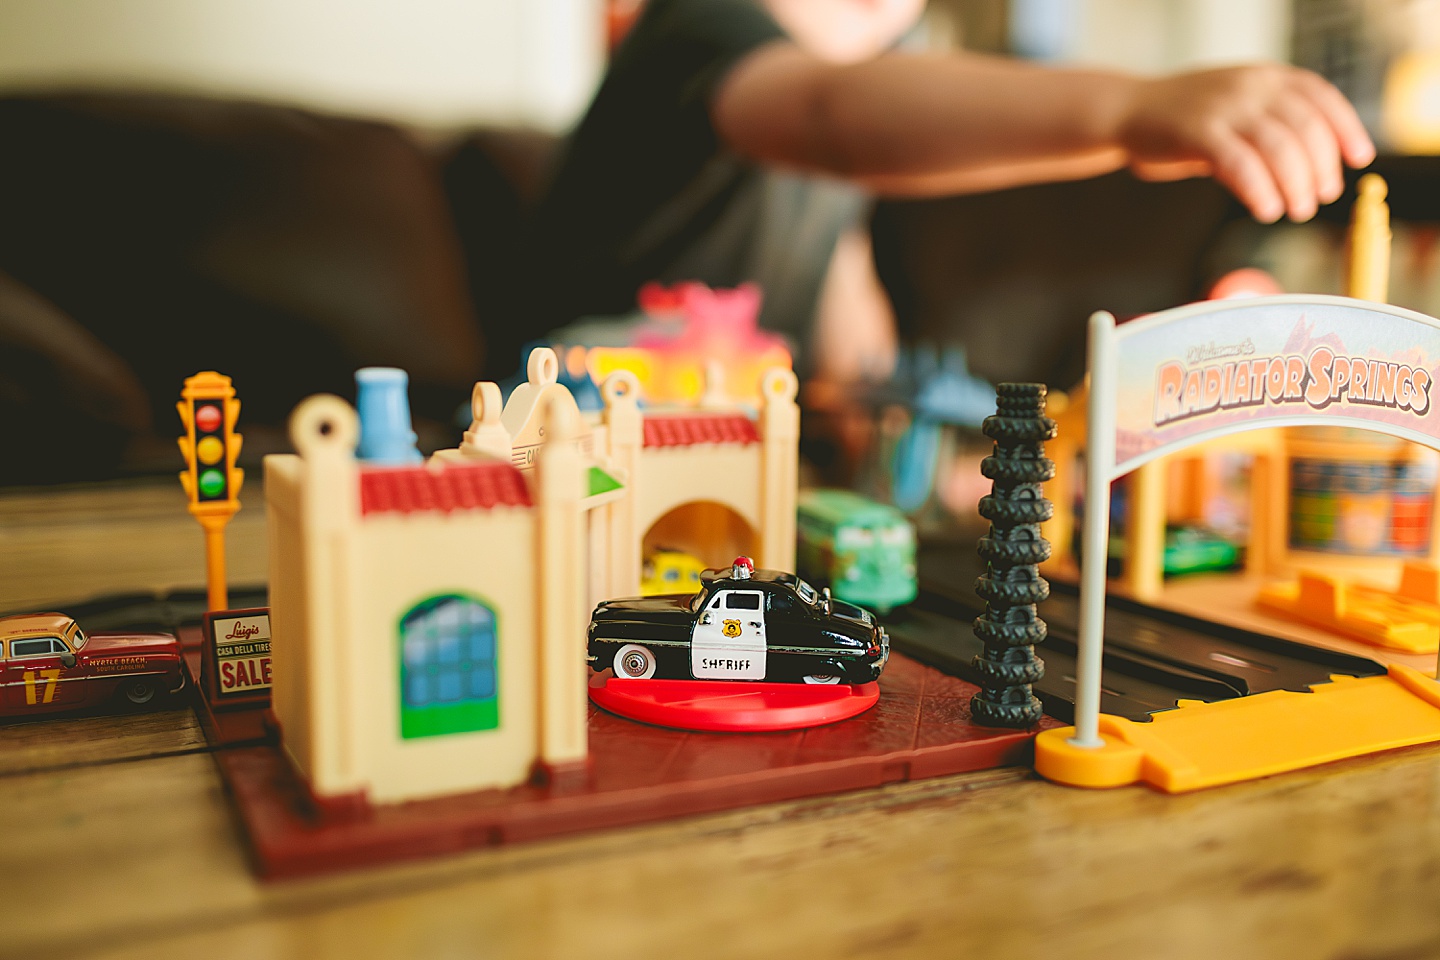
(864, 551)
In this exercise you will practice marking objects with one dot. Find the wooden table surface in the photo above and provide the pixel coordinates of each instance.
(119, 841)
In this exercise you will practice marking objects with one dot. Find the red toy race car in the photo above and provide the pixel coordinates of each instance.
(48, 664)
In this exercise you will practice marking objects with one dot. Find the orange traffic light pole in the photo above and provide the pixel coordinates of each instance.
(211, 481)
(217, 596)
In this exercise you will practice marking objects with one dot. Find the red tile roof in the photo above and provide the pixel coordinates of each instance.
(456, 486)
(684, 429)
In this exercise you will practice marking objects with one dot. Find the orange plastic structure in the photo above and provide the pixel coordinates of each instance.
(1407, 619)
(1208, 744)
(208, 409)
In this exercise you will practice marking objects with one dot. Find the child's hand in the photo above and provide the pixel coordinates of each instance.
(1274, 135)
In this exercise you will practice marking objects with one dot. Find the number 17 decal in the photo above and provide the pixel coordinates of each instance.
(51, 679)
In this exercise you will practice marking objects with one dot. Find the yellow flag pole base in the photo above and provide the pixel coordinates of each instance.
(1207, 744)
(1115, 764)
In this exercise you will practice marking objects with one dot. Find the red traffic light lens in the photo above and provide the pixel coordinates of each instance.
(207, 418)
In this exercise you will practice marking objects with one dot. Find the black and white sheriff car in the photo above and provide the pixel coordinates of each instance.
(744, 624)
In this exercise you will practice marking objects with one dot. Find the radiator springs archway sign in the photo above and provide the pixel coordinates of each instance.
(1210, 369)
(1173, 379)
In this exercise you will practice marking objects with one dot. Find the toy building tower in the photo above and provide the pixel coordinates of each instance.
(429, 619)
(426, 619)
(716, 479)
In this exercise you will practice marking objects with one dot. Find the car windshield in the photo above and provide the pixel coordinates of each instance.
(77, 639)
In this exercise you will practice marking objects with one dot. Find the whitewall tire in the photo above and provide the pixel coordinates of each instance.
(634, 662)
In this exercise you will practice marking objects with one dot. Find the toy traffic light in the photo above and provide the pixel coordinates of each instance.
(208, 409)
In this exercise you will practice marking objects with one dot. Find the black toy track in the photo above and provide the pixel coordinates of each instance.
(1011, 585)
(1153, 658)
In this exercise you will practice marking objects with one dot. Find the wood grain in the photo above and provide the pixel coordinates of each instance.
(70, 543)
(1337, 862)
(35, 745)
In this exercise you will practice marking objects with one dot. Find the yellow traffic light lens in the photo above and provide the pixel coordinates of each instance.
(210, 450)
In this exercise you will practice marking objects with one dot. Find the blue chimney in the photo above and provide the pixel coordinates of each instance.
(386, 436)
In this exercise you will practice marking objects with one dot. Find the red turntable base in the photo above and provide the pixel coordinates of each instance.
(732, 706)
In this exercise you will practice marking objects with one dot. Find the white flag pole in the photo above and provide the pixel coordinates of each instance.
(1099, 465)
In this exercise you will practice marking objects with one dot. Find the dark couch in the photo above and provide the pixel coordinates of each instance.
(144, 238)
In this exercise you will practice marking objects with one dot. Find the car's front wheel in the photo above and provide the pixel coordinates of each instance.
(827, 674)
(634, 662)
(139, 691)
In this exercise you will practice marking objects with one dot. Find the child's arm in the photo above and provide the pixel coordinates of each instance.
(923, 124)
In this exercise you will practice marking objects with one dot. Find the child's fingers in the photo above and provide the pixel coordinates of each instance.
(1355, 144)
(1282, 153)
(1240, 168)
(1319, 141)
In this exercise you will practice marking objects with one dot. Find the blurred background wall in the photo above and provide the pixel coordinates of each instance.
(428, 62)
(448, 63)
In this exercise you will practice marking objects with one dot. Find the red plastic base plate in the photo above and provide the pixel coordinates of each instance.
(636, 773)
(729, 706)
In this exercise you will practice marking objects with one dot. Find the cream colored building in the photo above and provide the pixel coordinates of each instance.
(429, 621)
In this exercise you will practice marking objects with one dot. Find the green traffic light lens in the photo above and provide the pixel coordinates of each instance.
(212, 483)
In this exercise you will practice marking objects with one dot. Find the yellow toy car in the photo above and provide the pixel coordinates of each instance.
(670, 571)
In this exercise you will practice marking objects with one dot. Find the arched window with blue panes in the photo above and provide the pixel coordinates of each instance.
(449, 679)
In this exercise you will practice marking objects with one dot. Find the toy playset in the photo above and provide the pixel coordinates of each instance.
(417, 683)
(428, 640)
(1326, 511)
(1186, 702)
(1264, 362)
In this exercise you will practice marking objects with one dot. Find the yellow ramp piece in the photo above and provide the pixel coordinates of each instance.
(1207, 744)
(1377, 617)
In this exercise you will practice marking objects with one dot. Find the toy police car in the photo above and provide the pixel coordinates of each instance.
(744, 624)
